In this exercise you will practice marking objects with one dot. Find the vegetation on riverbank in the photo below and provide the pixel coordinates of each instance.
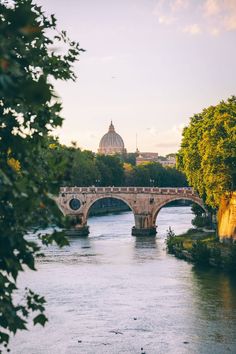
(208, 155)
(203, 249)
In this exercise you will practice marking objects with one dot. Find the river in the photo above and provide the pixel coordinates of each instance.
(113, 293)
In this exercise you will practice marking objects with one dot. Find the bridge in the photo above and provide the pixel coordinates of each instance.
(145, 203)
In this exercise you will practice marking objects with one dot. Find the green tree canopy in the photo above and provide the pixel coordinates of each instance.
(111, 170)
(208, 151)
(29, 110)
(154, 174)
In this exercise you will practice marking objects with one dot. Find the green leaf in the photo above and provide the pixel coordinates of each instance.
(40, 319)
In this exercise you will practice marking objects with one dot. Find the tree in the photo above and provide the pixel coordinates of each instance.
(110, 170)
(153, 174)
(208, 153)
(29, 110)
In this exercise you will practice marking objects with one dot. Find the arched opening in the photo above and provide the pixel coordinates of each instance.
(177, 213)
(110, 215)
(107, 205)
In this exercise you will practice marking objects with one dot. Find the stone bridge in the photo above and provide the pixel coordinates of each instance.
(145, 203)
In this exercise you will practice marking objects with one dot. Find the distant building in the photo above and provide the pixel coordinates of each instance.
(169, 162)
(111, 143)
(145, 157)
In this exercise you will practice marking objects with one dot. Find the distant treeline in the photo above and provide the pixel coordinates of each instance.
(74, 167)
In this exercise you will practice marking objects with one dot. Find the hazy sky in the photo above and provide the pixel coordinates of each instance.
(149, 65)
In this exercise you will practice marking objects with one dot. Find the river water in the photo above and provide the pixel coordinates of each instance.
(113, 293)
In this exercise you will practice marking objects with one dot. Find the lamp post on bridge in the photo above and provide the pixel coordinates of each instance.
(97, 182)
(151, 182)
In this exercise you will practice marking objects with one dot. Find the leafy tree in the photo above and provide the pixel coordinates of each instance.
(201, 219)
(208, 153)
(28, 112)
(79, 167)
(129, 158)
(171, 155)
(129, 173)
(111, 170)
(154, 174)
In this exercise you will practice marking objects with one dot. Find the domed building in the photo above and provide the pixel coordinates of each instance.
(111, 143)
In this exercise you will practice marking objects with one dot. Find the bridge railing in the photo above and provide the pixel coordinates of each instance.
(156, 190)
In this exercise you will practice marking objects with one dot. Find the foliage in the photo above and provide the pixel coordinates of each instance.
(170, 240)
(200, 253)
(208, 154)
(84, 168)
(129, 158)
(28, 112)
(197, 209)
(110, 170)
(154, 174)
(201, 221)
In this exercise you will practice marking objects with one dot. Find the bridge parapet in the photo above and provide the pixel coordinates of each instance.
(133, 190)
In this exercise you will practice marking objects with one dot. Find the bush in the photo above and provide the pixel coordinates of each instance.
(200, 253)
(202, 221)
(170, 240)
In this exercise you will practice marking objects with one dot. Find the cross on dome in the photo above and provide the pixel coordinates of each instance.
(111, 127)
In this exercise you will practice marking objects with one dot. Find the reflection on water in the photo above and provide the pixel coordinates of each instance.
(114, 293)
(145, 242)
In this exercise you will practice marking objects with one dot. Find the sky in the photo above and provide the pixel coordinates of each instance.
(149, 66)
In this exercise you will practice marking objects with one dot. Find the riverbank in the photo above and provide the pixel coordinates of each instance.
(202, 248)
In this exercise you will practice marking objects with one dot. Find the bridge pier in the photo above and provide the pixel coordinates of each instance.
(144, 231)
(143, 225)
(78, 231)
(77, 226)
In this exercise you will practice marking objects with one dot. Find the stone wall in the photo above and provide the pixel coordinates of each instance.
(227, 218)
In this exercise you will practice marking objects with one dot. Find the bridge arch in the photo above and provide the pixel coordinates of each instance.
(195, 200)
(89, 206)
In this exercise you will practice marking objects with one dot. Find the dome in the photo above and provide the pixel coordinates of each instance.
(111, 143)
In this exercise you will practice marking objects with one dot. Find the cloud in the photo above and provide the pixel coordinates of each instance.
(164, 17)
(193, 29)
(211, 7)
(178, 5)
(170, 138)
(214, 31)
(221, 13)
(166, 20)
(230, 22)
(194, 17)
